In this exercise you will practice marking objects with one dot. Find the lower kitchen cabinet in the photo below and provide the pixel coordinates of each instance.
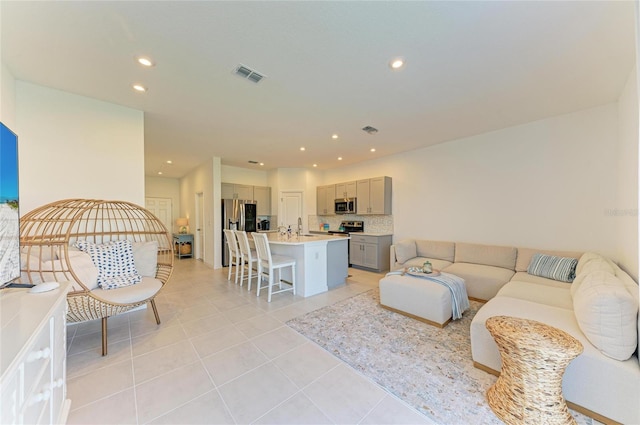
(370, 251)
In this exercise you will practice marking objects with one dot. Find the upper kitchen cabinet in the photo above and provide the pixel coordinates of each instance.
(262, 196)
(325, 199)
(237, 191)
(374, 196)
(346, 190)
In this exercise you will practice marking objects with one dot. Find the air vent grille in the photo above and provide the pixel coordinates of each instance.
(370, 130)
(252, 162)
(248, 73)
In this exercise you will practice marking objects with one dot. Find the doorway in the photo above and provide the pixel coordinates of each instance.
(199, 233)
(290, 210)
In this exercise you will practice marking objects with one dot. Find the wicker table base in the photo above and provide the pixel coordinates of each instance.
(534, 358)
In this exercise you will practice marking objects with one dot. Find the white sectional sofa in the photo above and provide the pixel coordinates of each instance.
(599, 308)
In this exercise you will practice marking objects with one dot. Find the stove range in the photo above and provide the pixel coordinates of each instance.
(348, 227)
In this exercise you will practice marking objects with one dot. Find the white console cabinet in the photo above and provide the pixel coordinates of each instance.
(33, 344)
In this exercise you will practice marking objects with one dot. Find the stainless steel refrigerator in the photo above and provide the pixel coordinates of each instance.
(237, 215)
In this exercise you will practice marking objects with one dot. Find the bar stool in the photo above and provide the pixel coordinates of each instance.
(268, 264)
(248, 257)
(234, 252)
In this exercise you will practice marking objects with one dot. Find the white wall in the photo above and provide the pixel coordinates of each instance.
(625, 214)
(231, 174)
(76, 147)
(545, 184)
(201, 180)
(163, 187)
(7, 98)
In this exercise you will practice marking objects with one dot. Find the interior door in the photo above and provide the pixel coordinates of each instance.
(199, 234)
(161, 208)
(290, 210)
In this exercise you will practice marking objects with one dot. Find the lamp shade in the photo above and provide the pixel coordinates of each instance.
(183, 223)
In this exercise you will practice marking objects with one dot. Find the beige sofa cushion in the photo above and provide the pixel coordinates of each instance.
(405, 250)
(554, 296)
(525, 255)
(607, 314)
(436, 249)
(483, 282)
(490, 255)
(539, 280)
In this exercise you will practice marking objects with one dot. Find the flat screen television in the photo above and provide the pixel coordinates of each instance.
(9, 207)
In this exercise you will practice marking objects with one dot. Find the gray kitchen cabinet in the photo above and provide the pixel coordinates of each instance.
(325, 199)
(236, 191)
(346, 190)
(262, 196)
(373, 196)
(370, 252)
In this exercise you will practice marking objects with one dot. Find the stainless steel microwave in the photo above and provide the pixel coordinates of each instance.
(345, 206)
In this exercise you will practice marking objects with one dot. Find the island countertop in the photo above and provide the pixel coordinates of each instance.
(275, 238)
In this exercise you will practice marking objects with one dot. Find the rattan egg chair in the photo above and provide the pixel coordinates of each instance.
(48, 233)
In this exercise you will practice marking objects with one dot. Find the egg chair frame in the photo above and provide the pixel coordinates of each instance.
(49, 231)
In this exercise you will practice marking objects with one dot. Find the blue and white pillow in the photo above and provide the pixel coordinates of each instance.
(114, 261)
(553, 267)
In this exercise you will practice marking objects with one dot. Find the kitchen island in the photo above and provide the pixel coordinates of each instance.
(321, 261)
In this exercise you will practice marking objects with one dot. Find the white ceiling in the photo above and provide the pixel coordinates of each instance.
(471, 67)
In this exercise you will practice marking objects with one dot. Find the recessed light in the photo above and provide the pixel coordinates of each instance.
(160, 172)
(145, 61)
(169, 161)
(339, 158)
(335, 136)
(315, 165)
(373, 149)
(140, 88)
(396, 63)
(302, 148)
(262, 163)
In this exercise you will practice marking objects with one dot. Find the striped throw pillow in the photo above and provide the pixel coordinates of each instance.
(553, 267)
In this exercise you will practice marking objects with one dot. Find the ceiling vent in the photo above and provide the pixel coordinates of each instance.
(370, 129)
(248, 73)
(252, 162)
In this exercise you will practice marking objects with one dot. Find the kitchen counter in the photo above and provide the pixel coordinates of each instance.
(321, 260)
(276, 238)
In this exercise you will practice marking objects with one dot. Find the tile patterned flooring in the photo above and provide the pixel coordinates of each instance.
(221, 356)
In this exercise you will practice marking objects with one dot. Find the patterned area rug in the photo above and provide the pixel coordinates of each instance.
(427, 367)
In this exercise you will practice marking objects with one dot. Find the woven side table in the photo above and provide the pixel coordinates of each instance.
(534, 358)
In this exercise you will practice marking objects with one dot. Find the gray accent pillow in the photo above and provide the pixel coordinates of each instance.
(553, 267)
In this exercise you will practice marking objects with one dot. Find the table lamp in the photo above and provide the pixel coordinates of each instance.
(183, 223)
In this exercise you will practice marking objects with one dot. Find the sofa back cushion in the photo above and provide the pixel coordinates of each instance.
(607, 314)
(490, 255)
(591, 262)
(526, 254)
(405, 250)
(436, 249)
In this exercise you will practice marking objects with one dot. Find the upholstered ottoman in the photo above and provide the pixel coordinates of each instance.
(418, 298)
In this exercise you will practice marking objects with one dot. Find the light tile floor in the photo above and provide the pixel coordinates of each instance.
(221, 356)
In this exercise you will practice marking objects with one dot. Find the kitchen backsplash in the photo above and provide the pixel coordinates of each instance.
(372, 223)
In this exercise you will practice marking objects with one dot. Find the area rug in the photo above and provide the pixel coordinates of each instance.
(429, 368)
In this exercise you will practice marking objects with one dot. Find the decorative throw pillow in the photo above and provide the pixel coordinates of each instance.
(114, 261)
(406, 250)
(552, 267)
(145, 257)
(607, 314)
